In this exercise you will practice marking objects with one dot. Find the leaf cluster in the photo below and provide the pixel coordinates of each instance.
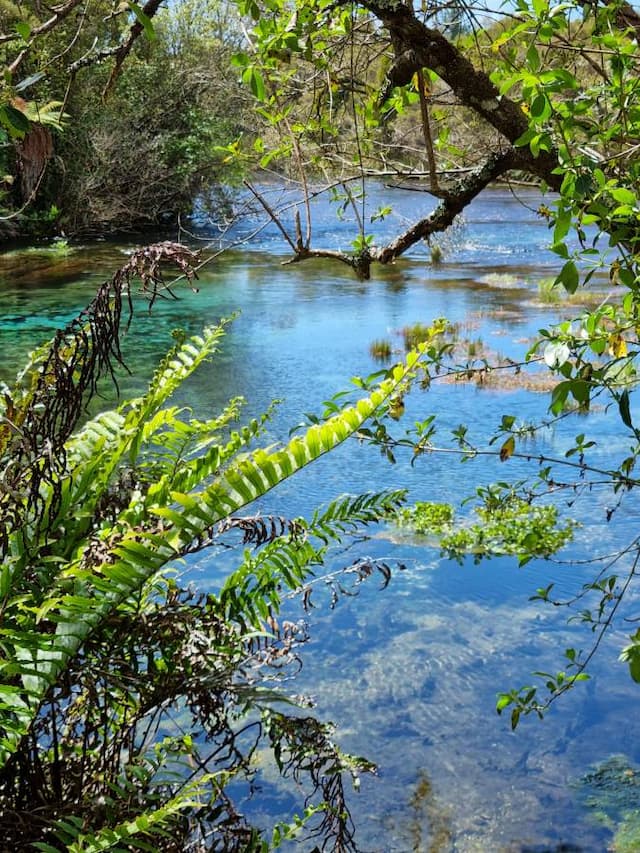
(507, 524)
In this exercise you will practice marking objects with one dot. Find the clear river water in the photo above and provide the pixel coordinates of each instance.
(408, 674)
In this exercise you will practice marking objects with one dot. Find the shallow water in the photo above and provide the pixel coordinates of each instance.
(409, 674)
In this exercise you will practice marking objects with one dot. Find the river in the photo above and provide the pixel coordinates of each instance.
(409, 674)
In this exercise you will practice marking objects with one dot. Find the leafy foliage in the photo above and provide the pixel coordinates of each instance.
(129, 703)
(508, 524)
(426, 517)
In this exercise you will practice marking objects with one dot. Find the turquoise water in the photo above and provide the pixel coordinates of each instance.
(409, 674)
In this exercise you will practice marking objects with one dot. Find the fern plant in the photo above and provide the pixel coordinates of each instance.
(128, 703)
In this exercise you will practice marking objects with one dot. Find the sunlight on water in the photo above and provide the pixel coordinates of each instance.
(410, 673)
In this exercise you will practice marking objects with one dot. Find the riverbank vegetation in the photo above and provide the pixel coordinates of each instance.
(94, 144)
(130, 706)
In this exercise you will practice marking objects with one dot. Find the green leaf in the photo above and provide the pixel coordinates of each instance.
(540, 108)
(23, 29)
(144, 21)
(625, 413)
(634, 667)
(569, 277)
(533, 58)
(506, 451)
(240, 59)
(623, 196)
(529, 134)
(504, 700)
(14, 120)
(580, 390)
(562, 225)
(254, 79)
(559, 397)
(515, 718)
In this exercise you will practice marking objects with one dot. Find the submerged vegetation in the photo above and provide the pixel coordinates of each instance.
(611, 795)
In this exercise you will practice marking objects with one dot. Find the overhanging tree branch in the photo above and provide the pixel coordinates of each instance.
(453, 203)
(120, 51)
(417, 46)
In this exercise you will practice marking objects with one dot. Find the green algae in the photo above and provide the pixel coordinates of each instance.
(610, 791)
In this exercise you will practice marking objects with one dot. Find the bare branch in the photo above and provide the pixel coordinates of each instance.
(451, 205)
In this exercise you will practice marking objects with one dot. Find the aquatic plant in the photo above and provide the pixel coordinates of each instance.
(421, 333)
(475, 347)
(508, 524)
(426, 517)
(428, 811)
(60, 247)
(610, 791)
(380, 349)
(549, 291)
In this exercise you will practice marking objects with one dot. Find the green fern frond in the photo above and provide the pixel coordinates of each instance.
(289, 560)
(139, 554)
(172, 434)
(180, 363)
(192, 473)
(145, 825)
(96, 453)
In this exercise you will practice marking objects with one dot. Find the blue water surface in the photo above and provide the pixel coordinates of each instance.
(409, 674)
